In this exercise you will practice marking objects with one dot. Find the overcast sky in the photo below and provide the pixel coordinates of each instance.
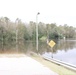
(51, 11)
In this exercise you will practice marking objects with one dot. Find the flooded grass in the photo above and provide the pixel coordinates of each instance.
(56, 68)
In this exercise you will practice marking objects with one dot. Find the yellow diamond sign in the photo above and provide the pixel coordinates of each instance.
(51, 43)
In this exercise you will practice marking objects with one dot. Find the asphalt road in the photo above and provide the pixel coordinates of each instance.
(22, 66)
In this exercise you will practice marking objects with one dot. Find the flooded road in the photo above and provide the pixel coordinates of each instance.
(63, 50)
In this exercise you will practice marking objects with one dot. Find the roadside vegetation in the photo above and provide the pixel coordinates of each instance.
(27, 31)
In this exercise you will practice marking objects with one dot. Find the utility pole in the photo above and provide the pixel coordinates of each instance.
(37, 31)
(16, 22)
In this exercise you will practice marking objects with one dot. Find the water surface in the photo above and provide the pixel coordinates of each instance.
(64, 50)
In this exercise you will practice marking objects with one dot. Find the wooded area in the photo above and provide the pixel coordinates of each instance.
(10, 31)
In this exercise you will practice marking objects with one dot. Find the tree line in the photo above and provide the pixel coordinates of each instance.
(10, 31)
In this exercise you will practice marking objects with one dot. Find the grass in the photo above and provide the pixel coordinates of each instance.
(54, 67)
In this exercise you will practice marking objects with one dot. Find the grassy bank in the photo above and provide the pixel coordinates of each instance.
(56, 68)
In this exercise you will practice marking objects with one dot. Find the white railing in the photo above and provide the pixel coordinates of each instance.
(61, 63)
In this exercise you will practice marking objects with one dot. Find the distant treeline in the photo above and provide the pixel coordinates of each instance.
(10, 31)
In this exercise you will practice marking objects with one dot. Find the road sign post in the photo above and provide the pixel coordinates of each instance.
(51, 44)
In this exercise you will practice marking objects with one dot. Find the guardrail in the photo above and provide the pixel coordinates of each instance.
(61, 63)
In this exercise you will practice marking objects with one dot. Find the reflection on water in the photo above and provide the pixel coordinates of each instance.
(21, 47)
(63, 50)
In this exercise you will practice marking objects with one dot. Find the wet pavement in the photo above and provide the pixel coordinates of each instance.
(22, 65)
